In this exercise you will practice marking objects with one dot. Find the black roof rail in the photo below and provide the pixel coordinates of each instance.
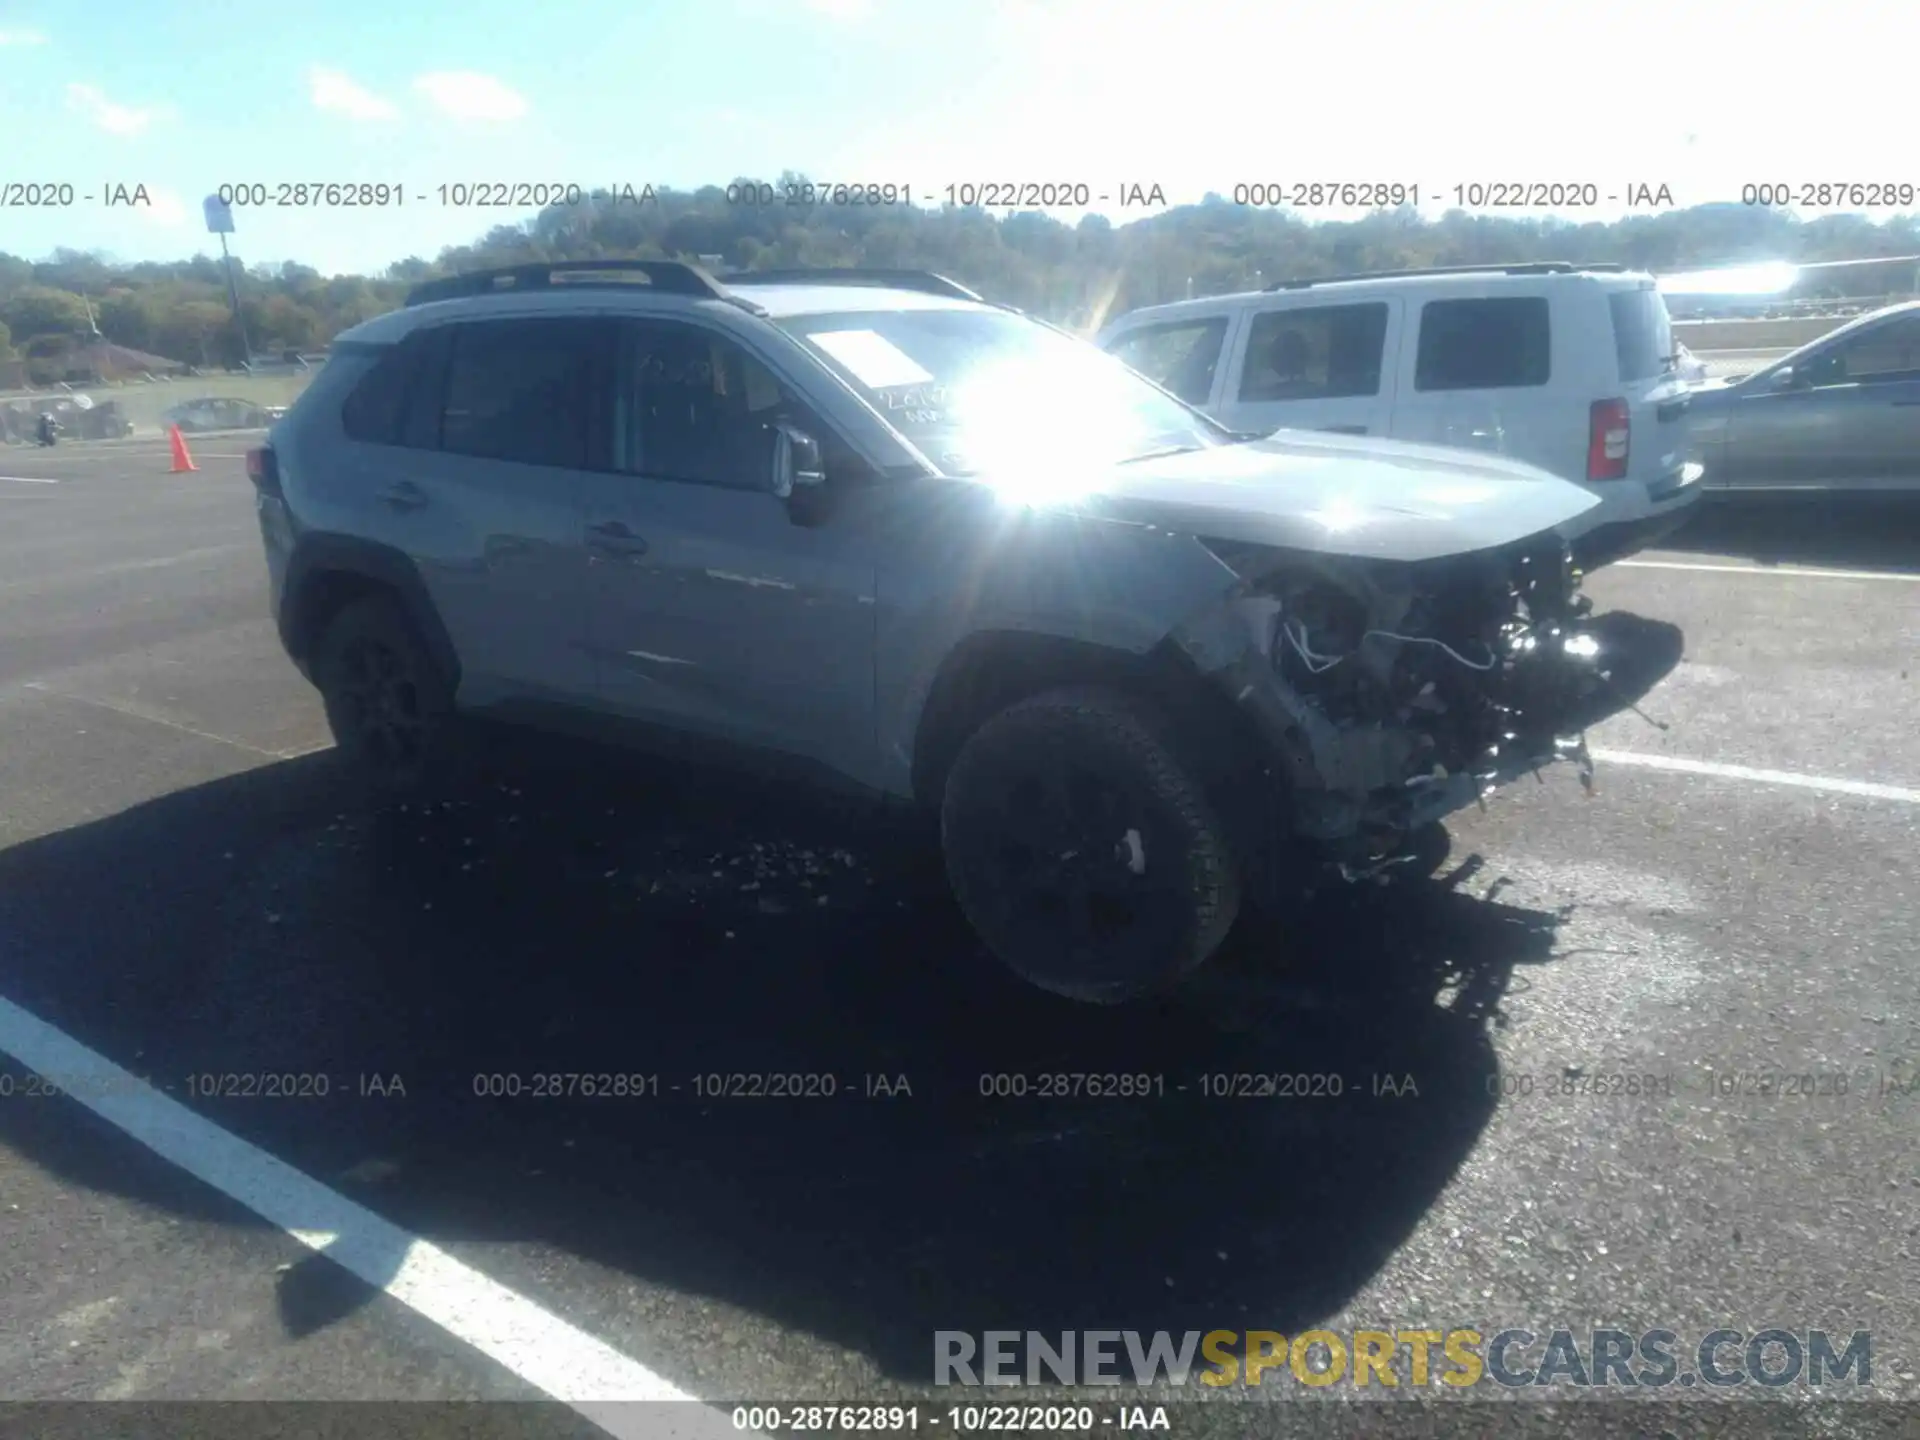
(924, 281)
(673, 277)
(1532, 267)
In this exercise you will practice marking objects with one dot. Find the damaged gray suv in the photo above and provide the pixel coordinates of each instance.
(1145, 671)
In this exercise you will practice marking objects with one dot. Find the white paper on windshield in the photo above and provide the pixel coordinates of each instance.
(875, 361)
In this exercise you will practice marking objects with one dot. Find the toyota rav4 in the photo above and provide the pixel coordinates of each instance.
(1141, 668)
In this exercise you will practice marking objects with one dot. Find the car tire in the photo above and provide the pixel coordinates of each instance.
(1144, 887)
(388, 704)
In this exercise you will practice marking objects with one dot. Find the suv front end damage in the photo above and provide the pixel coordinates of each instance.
(1387, 695)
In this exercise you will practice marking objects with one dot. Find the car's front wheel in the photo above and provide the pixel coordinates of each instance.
(387, 703)
(1084, 851)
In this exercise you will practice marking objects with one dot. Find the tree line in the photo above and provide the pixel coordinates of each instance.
(1077, 274)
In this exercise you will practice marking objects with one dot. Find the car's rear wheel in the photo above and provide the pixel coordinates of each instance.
(1083, 850)
(387, 703)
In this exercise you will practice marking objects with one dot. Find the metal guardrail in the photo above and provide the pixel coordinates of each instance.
(1774, 308)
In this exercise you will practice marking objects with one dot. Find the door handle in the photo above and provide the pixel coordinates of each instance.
(404, 496)
(615, 538)
(1903, 404)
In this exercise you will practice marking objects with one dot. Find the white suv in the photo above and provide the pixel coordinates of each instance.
(1569, 368)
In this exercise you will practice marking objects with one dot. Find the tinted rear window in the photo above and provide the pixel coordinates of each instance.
(519, 390)
(1642, 333)
(1495, 344)
(376, 407)
(1180, 356)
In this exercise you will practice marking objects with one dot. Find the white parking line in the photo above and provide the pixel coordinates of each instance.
(67, 577)
(28, 480)
(140, 712)
(1788, 570)
(588, 1375)
(1714, 768)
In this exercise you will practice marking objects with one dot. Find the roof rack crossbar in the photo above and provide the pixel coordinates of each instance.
(673, 277)
(1533, 267)
(924, 281)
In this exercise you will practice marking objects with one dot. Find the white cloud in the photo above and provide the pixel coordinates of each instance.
(466, 95)
(332, 90)
(112, 118)
(21, 37)
(164, 208)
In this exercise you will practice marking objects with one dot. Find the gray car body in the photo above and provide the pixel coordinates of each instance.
(1771, 430)
(825, 641)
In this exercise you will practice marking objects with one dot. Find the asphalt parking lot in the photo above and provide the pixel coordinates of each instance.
(182, 893)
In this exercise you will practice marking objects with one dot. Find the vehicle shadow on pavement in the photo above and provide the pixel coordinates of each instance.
(1854, 532)
(1637, 653)
(568, 917)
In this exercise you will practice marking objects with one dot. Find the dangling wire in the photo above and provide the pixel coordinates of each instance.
(1319, 664)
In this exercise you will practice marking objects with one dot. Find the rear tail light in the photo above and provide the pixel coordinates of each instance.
(1607, 438)
(263, 468)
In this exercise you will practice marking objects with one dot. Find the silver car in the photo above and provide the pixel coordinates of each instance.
(872, 525)
(220, 413)
(1841, 413)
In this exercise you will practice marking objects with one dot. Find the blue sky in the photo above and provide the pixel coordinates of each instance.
(183, 95)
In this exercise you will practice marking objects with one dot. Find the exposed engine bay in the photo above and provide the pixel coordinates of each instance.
(1393, 693)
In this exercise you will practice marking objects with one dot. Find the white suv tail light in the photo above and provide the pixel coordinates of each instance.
(1609, 432)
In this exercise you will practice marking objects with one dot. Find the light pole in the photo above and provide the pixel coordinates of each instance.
(220, 222)
(233, 299)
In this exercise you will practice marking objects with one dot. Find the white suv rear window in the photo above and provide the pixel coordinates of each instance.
(1491, 344)
(1642, 333)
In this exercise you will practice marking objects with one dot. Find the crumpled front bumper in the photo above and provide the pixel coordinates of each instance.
(1357, 790)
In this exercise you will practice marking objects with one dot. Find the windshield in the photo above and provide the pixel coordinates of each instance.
(987, 391)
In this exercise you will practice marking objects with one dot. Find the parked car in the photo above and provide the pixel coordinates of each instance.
(1842, 413)
(935, 550)
(16, 423)
(102, 420)
(78, 416)
(221, 414)
(19, 420)
(1566, 367)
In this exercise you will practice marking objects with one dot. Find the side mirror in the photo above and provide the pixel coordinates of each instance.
(1784, 378)
(797, 465)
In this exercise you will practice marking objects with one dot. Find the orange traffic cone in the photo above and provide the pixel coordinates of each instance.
(182, 461)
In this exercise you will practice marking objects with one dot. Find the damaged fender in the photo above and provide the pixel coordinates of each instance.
(1235, 645)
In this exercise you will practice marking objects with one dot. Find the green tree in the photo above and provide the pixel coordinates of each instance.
(194, 331)
(35, 310)
(1079, 274)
